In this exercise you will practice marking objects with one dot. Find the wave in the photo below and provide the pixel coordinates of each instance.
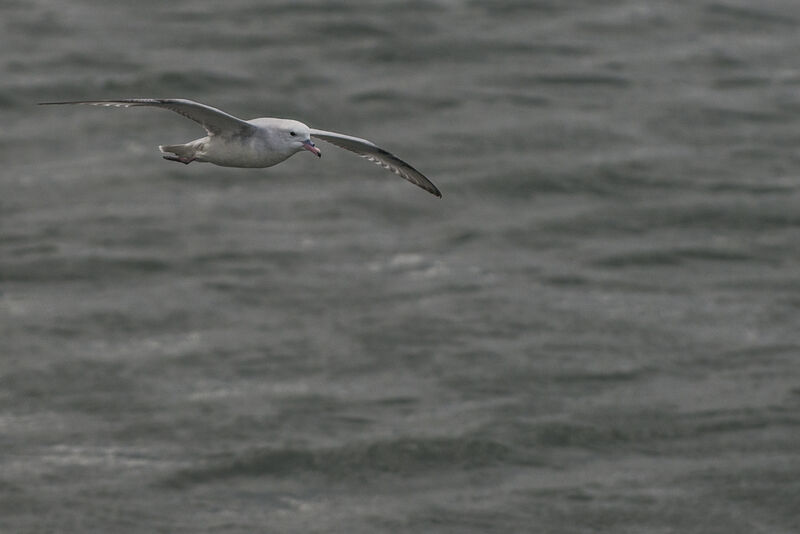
(405, 456)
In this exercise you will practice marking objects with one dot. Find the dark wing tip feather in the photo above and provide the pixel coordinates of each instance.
(370, 151)
(396, 165)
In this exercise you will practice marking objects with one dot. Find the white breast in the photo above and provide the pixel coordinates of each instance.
(242, 151)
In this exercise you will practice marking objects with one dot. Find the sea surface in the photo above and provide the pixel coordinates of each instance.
(596, 330)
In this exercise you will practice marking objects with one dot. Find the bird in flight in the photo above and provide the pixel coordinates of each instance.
(263, 142)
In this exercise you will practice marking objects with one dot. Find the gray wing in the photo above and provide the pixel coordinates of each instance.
(369, 150)
(213, 120)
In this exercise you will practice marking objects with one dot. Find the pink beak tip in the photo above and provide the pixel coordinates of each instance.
(308, 145)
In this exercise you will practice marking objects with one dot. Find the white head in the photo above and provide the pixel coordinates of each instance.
(295, 135)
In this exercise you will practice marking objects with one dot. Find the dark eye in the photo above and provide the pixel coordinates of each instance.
(292, 134)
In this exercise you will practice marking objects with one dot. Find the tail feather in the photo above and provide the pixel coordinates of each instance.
(184, 151)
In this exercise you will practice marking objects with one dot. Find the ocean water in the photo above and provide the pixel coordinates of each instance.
(596, 330)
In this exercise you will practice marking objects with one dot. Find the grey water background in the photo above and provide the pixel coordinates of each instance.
(596, 329)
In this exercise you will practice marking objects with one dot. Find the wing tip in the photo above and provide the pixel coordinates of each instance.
(121, 101)
(74, 102)
(426, 184)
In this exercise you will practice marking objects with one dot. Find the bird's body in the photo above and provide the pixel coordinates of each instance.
(262, 142)
(261, 147)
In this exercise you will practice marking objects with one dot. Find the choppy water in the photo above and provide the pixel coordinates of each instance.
(596, 330)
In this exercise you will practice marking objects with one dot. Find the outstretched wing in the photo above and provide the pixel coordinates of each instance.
(215, 121)
(369, 150)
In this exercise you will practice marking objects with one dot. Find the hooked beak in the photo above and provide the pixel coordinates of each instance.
(308, 145)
